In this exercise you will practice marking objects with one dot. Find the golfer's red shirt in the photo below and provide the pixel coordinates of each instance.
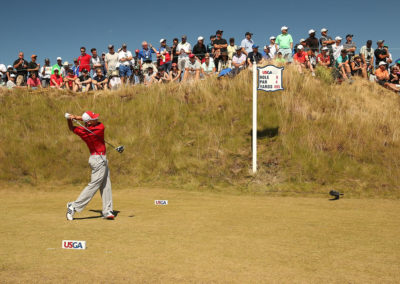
(96, 144)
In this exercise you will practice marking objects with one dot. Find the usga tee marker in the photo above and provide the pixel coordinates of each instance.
(68, 244)
(160, 202)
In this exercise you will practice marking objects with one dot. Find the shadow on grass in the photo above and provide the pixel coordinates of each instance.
(116, 212)
(268, 132)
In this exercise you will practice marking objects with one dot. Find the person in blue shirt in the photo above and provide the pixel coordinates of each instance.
(342, 65)
(145, 56)
(210, 46)
(75, 68)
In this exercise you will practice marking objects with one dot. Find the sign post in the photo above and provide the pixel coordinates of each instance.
(269, 80)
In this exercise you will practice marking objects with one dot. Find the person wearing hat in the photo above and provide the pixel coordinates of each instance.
(84, 81)
(65, 69)
(367, 56)
(254, 57)
(312, 42)
(75, 67)
(145, 56)
(380, 53)
(3, 76)
(350, 46)
(266, 54)
(284, 42)
(326, 40)
(382, 76)
(247, 43)
(342, 65)
(21, 65)
(11, 82)
(358, 68)
(137, 76)
(33, 66)
(324, 58)
(114, 80)
(111, 60)
(199, 49)
(56, 81)
(192, 69)
(164, 56)
(302, 61)
(272, 46)
(45, 73)
(231, 49)
(239, 60)
(124, 60)
(220, 46)
(303, 43)
(84, 60)
(337, 47)
(100, 177)
(183, 50)
(174, 55)
(57, 66)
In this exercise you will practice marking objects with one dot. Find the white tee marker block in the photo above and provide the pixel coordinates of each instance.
(160, 202)
(70, 244)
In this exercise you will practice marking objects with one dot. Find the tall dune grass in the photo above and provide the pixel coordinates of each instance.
(313, 136)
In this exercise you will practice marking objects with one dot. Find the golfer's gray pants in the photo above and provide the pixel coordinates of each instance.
(100, 179)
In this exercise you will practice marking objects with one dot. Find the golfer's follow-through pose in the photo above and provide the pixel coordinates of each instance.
(100, 178)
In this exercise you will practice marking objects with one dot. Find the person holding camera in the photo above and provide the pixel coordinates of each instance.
(21, 65)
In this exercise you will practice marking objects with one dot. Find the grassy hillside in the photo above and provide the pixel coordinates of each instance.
(313, 136)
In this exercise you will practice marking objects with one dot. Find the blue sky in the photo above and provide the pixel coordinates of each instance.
(52, 28)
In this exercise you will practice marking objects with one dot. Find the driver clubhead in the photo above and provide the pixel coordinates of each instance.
(120, 149)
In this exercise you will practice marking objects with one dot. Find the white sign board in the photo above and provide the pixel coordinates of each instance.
(270, 78)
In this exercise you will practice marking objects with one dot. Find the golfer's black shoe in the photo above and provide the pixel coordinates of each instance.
(335, 194)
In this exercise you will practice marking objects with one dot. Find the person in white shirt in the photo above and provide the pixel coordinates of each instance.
(192, 69)
(247, 43)
(208, 66)
(45, 73)
(95, 61)
(239, 60)
(115, 80)
(125, 59)
(111, 60)
(337, 47)
(65, 69)
(183, 50)
(272, 46)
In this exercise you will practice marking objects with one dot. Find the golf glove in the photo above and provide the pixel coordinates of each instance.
(67, 115)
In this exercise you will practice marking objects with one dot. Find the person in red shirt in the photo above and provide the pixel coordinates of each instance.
(70, 81)
(100, 178)
(323, 58)
(56, 81)
(301, 60)
(34, 82)
(84, 60)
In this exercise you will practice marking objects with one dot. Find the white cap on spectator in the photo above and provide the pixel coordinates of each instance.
(300, 46)
(12, 76)
(311, 31)
(324, 48)
(162, 40)
(272, 37)
(265, 47)
(3, 68)
(382, 63)
(338, 38)
(9, 66)
(59, 58)
(200, 38)
(66, 63)
(324, 30)
(302, 40)
(284, 28)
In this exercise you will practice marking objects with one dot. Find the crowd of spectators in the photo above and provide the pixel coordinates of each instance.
(181, 62)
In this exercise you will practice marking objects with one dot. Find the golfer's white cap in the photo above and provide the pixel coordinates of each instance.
(284, 28)
(200, 38)
(300, 47)
(324, 30)
(272, 37)
(59, 58)
(87, 116)
(311, 31)
(382, 63)
(162, 40)
(338, 38)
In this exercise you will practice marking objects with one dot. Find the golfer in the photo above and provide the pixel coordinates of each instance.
(100, 178)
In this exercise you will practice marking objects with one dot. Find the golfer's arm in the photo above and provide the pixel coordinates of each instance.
(70, 125)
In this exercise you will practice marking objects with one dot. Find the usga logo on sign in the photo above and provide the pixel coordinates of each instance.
(161, 202)
(67, 244)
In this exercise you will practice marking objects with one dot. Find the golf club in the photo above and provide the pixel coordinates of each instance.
(119, 149)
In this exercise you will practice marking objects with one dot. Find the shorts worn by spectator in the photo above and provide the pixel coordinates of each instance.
(84, 60)
(84, 81)
(285, 44)
(199, 49)
(183, 50)
(358, 68)
(21, 65)
(192, 69)
(383, 78)
(312, 42)
(124, 58)
(254, 55)
(337, 47)
(247, 43)
(111, 60)
(367, 55)
(45, 73)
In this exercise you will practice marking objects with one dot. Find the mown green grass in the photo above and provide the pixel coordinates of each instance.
(313, 136)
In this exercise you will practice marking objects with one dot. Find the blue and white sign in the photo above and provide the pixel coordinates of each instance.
(270, 78)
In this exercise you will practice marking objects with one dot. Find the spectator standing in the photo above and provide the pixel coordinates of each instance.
(164, 54)
(272, 46)
(124, 59)
(312, 42)
(95, 60)
(183, 50)
(337, 47)
(323, 58)
(56, 81)
(75, 68)
(57, 66)
(45, 73)
(145, 56)
(84, 60)
(175, 43)
(33, 66)
(327, 41)
(304, 44)
(199, 49)
(254, 56)
(192, 69)
(389, 59)
(367, 55)
(285, 44)
(210, 46)
(350, 46)
(111, 60)
(380, 53)
(208, 66)
(34, 82)
(231, 48)
(103, 64)
(247, 43)
(220, 46)
(21, 65)
(239, 59)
